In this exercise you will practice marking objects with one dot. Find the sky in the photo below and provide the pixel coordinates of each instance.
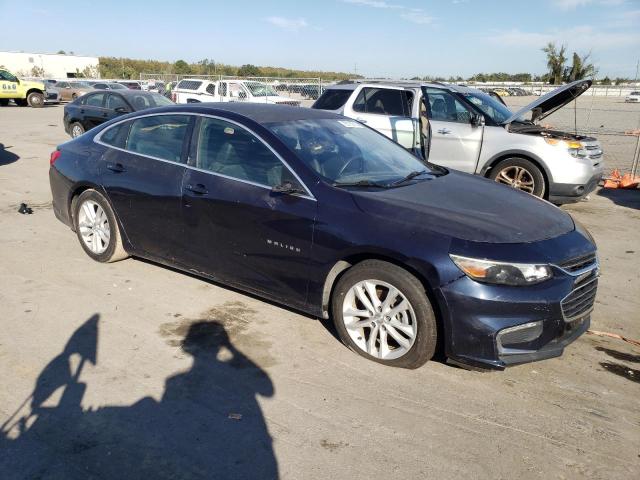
(375, 38)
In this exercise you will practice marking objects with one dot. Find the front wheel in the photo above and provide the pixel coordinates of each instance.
(382, 312)
(35, 100)
(97, 228)
(520, 174)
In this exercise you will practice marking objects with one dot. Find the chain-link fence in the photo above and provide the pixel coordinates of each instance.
(541, 89)
(302, 90)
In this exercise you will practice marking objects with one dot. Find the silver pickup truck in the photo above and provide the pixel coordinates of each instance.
(468, 130)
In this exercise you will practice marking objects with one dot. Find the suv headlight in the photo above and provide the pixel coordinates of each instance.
(575, 149)
(502, 273)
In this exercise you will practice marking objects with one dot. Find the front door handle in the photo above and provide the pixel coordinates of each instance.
(115, 167)
(445, 131)
(198, 189)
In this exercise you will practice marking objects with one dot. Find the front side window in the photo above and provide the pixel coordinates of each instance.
(61, 84)
(116, 101)
(4, 75)
(489, 106)
(383, 101)
(230, 150)
(96, 100)
(159, 136)
(445, 107)
(344, 151)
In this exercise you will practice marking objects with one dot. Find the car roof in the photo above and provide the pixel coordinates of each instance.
(416, 84)
(260, 113)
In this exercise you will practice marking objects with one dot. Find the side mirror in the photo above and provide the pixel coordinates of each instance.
(477, 120)
(121, 110)
(287, 188)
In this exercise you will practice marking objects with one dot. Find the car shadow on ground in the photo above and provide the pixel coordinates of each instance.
(622, 197)
(207, 424)
(7, 157)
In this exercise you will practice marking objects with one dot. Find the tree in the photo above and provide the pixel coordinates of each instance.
(579, 68)
(181, 67)
(37, 72)
(249, 70)
(555, 62)
(605, 81)
(61, 52)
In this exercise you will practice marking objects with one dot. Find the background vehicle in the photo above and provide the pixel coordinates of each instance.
(633, 97)
(72, 90)
(193, 90)
(265, 198)
(468, 130)
(130, 84)
(22, 92)
(52, 95)
(107, 86)
(95, 108)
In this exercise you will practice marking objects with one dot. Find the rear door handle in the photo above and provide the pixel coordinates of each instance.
(198, 189)
(115, 167)
(444, 131)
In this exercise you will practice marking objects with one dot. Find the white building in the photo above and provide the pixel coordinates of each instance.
(49, 65)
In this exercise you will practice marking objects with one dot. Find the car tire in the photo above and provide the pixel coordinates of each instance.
(521, 174)
(74, 96)
(76, 129)
(35, 100)
(413, 323)
(97, 228)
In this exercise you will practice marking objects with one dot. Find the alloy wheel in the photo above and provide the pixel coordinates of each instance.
(379, 319)
(76, 131)
(517, 177)
(94, 226)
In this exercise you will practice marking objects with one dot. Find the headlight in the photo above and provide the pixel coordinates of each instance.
(502, 273)
(575, 149)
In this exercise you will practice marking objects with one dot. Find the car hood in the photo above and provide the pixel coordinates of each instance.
(27, 84)
(468, 208)
(552, 101)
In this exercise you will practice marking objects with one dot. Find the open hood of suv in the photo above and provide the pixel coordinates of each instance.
(552, 101)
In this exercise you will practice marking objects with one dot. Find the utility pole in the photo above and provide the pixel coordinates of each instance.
(635, 80)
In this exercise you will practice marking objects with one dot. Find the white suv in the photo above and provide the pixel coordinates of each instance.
(466, 129)
(196, 90)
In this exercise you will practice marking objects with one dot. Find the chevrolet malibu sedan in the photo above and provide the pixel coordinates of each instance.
(323, 214)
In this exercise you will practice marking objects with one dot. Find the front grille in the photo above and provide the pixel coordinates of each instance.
(579, 263)
(580, 301)
(52, 96)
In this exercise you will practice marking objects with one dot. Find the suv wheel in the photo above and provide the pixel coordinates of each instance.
(521, 174)
(97, 228)
(35, 99)
(76, 129)
(382, 312)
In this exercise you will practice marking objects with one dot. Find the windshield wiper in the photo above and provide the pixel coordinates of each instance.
(411, 176)
(360, 183)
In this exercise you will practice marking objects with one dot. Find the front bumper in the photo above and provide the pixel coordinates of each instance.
(494, 326)
(560, 193)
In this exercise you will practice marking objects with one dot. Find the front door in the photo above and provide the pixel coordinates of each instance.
(236, 228)
(143, 178)
(8, 85)
(454, 141)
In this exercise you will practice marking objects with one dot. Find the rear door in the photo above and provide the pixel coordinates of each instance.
(454, 141)
(142, 173)
(236, 227)
(93, 111)
(385, 109)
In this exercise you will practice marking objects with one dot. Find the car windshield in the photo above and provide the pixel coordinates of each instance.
(343, 151)
(258, 89)
(489, 106)
(117, 86)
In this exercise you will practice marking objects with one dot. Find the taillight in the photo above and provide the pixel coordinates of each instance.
(54, 156)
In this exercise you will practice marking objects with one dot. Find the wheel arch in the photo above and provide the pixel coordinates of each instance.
(33, 90)
(548, 179)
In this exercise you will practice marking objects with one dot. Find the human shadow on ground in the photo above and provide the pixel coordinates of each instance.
(207, 425)
(622, 197)
(7, 157)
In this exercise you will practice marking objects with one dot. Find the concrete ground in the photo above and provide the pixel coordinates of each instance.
(133, 370)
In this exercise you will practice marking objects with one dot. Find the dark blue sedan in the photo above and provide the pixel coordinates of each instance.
(318, 212)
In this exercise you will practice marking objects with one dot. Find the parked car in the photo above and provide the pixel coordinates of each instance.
(131, 84)
(22, 92)
(107, 86)
(468, 130)
(196, 90)
(633, 97)
(318, 212)
(52, 95)
(72, 90)
(95, 108)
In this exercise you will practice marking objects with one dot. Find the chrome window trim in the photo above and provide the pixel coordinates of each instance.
(98, 137)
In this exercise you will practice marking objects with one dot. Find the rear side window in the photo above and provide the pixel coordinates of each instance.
(211, 88)
(384, 101)
(189, 85)
(332, 99)
(116, 136)
(159, 136)
(96, 100)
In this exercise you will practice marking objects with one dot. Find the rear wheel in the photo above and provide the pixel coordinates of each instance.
(97, 228)
(520, 174)
(76, 129)
(382, 312)
(35, 99)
